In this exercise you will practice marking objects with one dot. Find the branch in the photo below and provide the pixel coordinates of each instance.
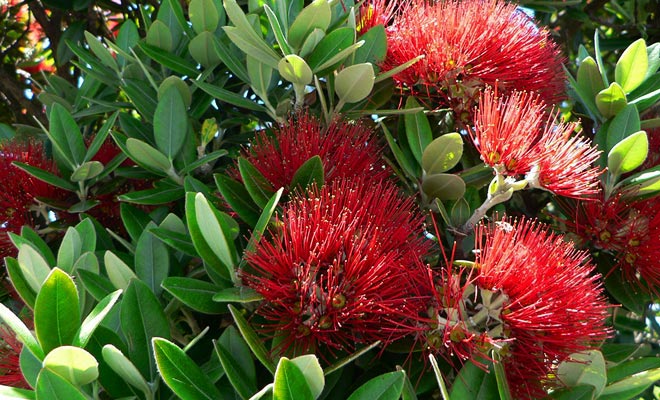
(15, 94)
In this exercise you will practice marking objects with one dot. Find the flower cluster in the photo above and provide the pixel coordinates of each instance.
(531, 296)
(341, 267)
(468, 45)
(515, 136)
(346, 149)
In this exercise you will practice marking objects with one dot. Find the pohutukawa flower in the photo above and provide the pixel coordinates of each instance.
(531, 296)
(378, 12)
(515, 136)
(10, 368)
(19, 205)
(471, 44)
(346, 149)
(340, 268)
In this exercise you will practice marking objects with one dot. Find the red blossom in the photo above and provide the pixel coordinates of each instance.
(10, 369)
(515, 135)
(340, 268)
(346, 149)
(471, 44)
(531, 295)
(19, 205)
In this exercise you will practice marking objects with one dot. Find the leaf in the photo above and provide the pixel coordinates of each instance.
(51, 386)
(101, 51)
(238, 198)
(214, 232)
(238, 294)
(176, 240)
(443, 153)
(118, 272)
(143, 97)
(152, 260)
(586, 368)
(354, 83)
(127, 38)
(443, 186)
(21, 331)
(383, 387)
(312, 372)
(624, 124)
(56, 311)
(252, 340)
(169, 60)
(33, 266)
(162, 194)
(97, 285)
(74, 364)
(630, 70)
(632, 386)
(203, 50)
(181, 374)
(230, 97)
(259, 188)
(94, 319)
(203, 15)
(170, 123)
(628, 154)
(12, 393)
(316, 15)
(311, 171)
(328, 47)
(294, 69)
(195, 294)
(262, 223)
(65, 136)
(69, 251)
(474, 383)
(290, 383)
(46, 176)
(142, 318)
(632, 367)
(236, 360)
(121, 365)
(144, 154)
(342, 362)
(611, 100)
(18, 281)
(375, 47)
(159, 35)
(418, 130)
(276, 28)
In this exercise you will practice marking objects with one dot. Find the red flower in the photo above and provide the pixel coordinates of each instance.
(471, 44)
(511, 137)
(531, 295)
(10, 369)
(19, 205)
(346, 148)
(378, 12)
(340, 269)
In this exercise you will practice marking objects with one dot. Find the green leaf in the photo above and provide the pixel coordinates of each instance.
(144, 154)
(251, 44)
(316, 15)
(628, 154)
(21, 331)
(94, 319)
(611, 100)
(256, 184)
(69, 251)
(65, 136)
(152, 260)
(473, 382)
(375, 47)
(181, 374)
(290, 383)
(630, 70)
(121, 365)
(312, 372)
(127, 38)
(97, 285)
(46, 176)
(169, 60)
(238, 198)
(632, 386)
(215, 232)
(236, 360)
(88, 170)
(354, 83)
(262, 223)
(500, 377)
(586, 368)
(181, 87)
(230, 97)
(12, 393)
(161, 194)
(252, 339)
(310, 172)
(418, 130)
(443, 186)
(383, 387)
(51, 386)
(142, 318)
(276, 27)
(101, 51)
(203, 49)
(203, 15)
(583, 392)
(443, 153)
(195, 294)
(624, 124)
(18, 281)
(328, 47)
(170, 123)
(401, 158)
(632, 367)
(56, 311)
(118, 272)
(73, 364)
(176, 240)
(643, 183)
(135, 220)
(143, 97)
(237, 295)
(29, 236)
(310, 43)
(294, 69)
(159, 35)
(33, 266)
(342, 362)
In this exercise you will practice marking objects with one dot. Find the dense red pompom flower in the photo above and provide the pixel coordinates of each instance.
(531, 295)
(515, 135)
(346, 149)
(471, 44)
(10, 369)
(19, 205)
(340, 268)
